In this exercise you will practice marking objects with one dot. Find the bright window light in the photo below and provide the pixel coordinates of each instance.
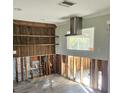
(82, 42)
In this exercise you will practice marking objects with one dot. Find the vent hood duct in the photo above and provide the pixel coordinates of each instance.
(75, 26)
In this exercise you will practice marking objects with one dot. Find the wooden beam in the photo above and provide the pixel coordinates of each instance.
(54, 64)
(40, 66)
(105, 77)
(31, 72)
(81, 77)
(26, 68)
(96, 75)
(92, 72)
(16, 69)
(58, 62)
(49, 64)
(46, 65)
(33, 24)
(75, 61)
(61, 64)
(66, 66)
(22, 71)
(78, 69)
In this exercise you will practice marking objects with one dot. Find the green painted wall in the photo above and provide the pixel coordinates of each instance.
(101, 39)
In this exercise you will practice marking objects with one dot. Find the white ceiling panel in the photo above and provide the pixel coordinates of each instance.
(49, 11)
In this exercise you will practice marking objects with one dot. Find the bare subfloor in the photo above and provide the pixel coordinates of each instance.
(51, 84)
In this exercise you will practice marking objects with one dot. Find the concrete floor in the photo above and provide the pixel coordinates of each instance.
(51, 84)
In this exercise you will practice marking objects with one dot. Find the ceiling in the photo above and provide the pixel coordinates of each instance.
(49, 11)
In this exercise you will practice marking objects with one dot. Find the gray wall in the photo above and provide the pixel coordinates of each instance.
(101, 39)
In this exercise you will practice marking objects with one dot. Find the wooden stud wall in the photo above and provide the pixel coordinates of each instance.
(31, 39)
(67, 66)
(46, 66)
(75, 64)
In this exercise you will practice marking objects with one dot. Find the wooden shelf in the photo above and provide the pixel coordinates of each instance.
(36, 36)
(37, 45)
(56, 44)
(31, 39)
(43, 55)
(57, 36)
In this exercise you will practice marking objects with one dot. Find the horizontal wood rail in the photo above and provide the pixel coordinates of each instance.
(35, 36)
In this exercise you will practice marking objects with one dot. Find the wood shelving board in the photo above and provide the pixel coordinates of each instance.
(32, 38)
(37, 45)
(35, 36)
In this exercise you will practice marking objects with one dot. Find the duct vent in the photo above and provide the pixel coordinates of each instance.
(66, 3)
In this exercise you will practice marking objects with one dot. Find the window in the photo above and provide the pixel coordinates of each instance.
(82, 42)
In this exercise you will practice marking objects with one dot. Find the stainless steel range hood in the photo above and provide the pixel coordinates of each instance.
(75, 26)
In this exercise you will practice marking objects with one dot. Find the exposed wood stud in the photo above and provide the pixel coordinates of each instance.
(96, 74)
(40, 66)
(104, 77)
(31, 72)
(26, 66)
(74, 67)
(81, 76)
(16, 69)
(92, 73)
(66, 66)
(22, 70)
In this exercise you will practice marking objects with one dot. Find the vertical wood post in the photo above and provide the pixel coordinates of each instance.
(22, 71)
(105, 77)
(31, 72)
(26, 68)
(16, 69)
(54, 64)
(49, 64)
(81, 69)
(75, 61)
(92, 72)
(40, 67)
(68, 66)
(61, 64)
(96, 74)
